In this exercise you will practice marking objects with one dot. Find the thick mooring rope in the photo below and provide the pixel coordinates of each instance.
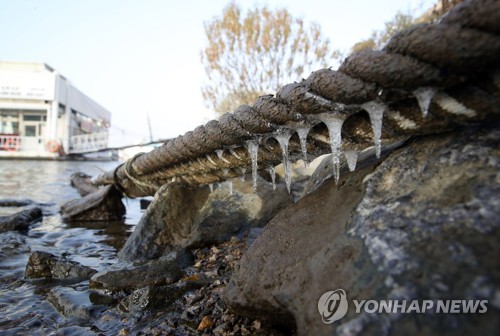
(450, 68)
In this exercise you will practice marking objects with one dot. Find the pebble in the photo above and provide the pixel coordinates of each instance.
(206, 322)
(256, 324)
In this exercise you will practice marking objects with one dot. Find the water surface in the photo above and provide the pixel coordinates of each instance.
(23, 305)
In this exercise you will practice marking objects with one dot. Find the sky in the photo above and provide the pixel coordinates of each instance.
(142, 57)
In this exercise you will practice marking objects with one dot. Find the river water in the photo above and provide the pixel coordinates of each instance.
(24, 309)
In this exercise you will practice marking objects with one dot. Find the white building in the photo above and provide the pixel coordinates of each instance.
(43, 115)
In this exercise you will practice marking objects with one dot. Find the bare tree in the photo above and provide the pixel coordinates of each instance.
(247, 56)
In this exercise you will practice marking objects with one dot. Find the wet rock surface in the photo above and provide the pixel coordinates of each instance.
(71, 303)
(181, 217)
(15, 202)
(163, 271)
(158, 297)
(43, 265)
(20, 221)
(423, 225)
(102, 205)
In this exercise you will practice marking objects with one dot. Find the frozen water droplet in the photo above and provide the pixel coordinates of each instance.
(220, 152)
(210, 159)
(351, 158)
(229, 184)
(272, 172)
(211, 186)
(333, 122)
(233, 153)
(302, 131)
(243, 172)
(283, 136)
(424, 96)
(253, 149)
(376, 112)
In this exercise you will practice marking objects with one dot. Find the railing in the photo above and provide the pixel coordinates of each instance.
(10, 143)
(15, 143)
(88, 142)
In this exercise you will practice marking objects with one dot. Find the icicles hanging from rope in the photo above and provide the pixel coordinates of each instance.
(424, 96)
(272, 172)
(253, 150)
(376, 112)
(334, 122)
(303, 131)
(283, 135)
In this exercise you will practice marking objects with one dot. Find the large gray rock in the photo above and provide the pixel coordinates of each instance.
(423, 225)
(102, 205)
(43, 265)
(182, 217)
(20, 221)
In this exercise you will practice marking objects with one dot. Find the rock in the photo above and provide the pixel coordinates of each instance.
(423, 225)
(76, 331)
(181, 217)
(163, 271)
(102, 205)
(70, 303)
(206, 322)
(20, 221)
(157, 297)
(15, 202)
(47, 266)
(83, 183)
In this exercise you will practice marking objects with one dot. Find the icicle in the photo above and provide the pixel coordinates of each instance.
(283, 136)
(225, 171)
(376, 112)
(219, 186)
(253, 149)
(210, 159)
(219, 153)
(302, 132)
(243, 172)
(351, 158)
(272, 172)
(211, 186)
(333, 122)
(230, 185)
(424, 96)
(233, 153)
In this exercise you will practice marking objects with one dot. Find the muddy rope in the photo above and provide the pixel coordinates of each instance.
(429, 78)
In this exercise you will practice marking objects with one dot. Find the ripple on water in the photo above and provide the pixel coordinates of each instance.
(23, 305)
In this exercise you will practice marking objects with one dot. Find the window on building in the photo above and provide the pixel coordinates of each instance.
(32, 117)
(30, 130)
(9, 122)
